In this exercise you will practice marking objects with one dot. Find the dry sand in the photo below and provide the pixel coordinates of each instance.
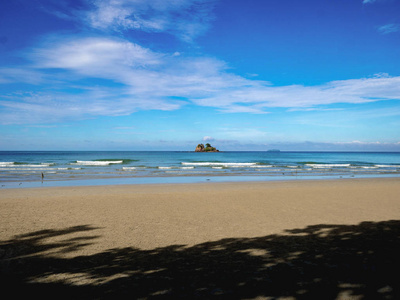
(151, 216)
(103, 221)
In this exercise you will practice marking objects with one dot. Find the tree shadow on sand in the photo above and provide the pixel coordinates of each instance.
(317, 262)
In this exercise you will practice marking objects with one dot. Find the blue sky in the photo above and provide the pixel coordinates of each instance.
(166, 75)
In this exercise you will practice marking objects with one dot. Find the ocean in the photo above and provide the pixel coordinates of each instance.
(60, 168)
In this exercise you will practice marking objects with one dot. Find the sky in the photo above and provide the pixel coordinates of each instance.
(246, 75)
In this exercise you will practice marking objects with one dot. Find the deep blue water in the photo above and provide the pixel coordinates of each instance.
(26, 168)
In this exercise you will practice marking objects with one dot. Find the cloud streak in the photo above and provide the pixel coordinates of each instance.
(369, 1)
(185, 19)
(132, 78)
(389, 28)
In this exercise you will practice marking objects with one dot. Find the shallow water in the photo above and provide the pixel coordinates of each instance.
(24, 168)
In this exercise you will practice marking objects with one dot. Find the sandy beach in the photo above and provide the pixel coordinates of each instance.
(289, 240)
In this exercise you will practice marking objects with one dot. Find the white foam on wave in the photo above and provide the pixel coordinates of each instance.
(96, 163)
(324, 166)
(12, 165)
(387, 166)
(218, 164)
(6, 163)
(187, 168)
(261, 166)
(217, 167)
(42, 165)
(26, 168)
(163, 168)
(128, 168)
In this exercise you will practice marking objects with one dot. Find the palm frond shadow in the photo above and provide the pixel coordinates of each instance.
(316, 262)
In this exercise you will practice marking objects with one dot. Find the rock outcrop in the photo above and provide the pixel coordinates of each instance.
(207, 148)
(199, 148)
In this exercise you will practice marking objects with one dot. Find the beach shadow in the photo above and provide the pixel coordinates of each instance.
(316, 262)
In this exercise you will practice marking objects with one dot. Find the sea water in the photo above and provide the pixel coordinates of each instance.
(27, 168)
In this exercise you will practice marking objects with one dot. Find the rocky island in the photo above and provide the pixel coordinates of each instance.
(207, 148)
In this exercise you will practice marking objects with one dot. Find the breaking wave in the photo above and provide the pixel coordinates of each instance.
(223, 164)
(97, 162)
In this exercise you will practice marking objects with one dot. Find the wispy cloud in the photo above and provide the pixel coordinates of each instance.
(208, 139)
(132, 78)
(11, 75)
(186, 19)
(258, 96)
(370, 1)
(389, 28)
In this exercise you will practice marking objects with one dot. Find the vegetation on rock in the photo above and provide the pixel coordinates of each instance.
(207, 148)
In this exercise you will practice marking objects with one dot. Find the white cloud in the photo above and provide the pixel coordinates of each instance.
(257, 96)
(10, 75)
(91, 54)
(208, 139)
(56, 107)
(184, 18)
(133, 78)
(139, 69)
(389, 28)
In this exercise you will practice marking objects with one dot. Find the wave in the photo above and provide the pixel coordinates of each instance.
(21, 166)
(261, 166)
(308, 163)
(128, 168)
(27, 169)
(124, 160)
(165, 168)
(387, 166)
(223, 164)
(97, 162)
(103, 162)
(324, 166)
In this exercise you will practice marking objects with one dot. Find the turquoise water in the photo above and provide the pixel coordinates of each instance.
(73, 167)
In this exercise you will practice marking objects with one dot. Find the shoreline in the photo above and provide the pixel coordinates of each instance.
(233, 183)
(110, 181)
